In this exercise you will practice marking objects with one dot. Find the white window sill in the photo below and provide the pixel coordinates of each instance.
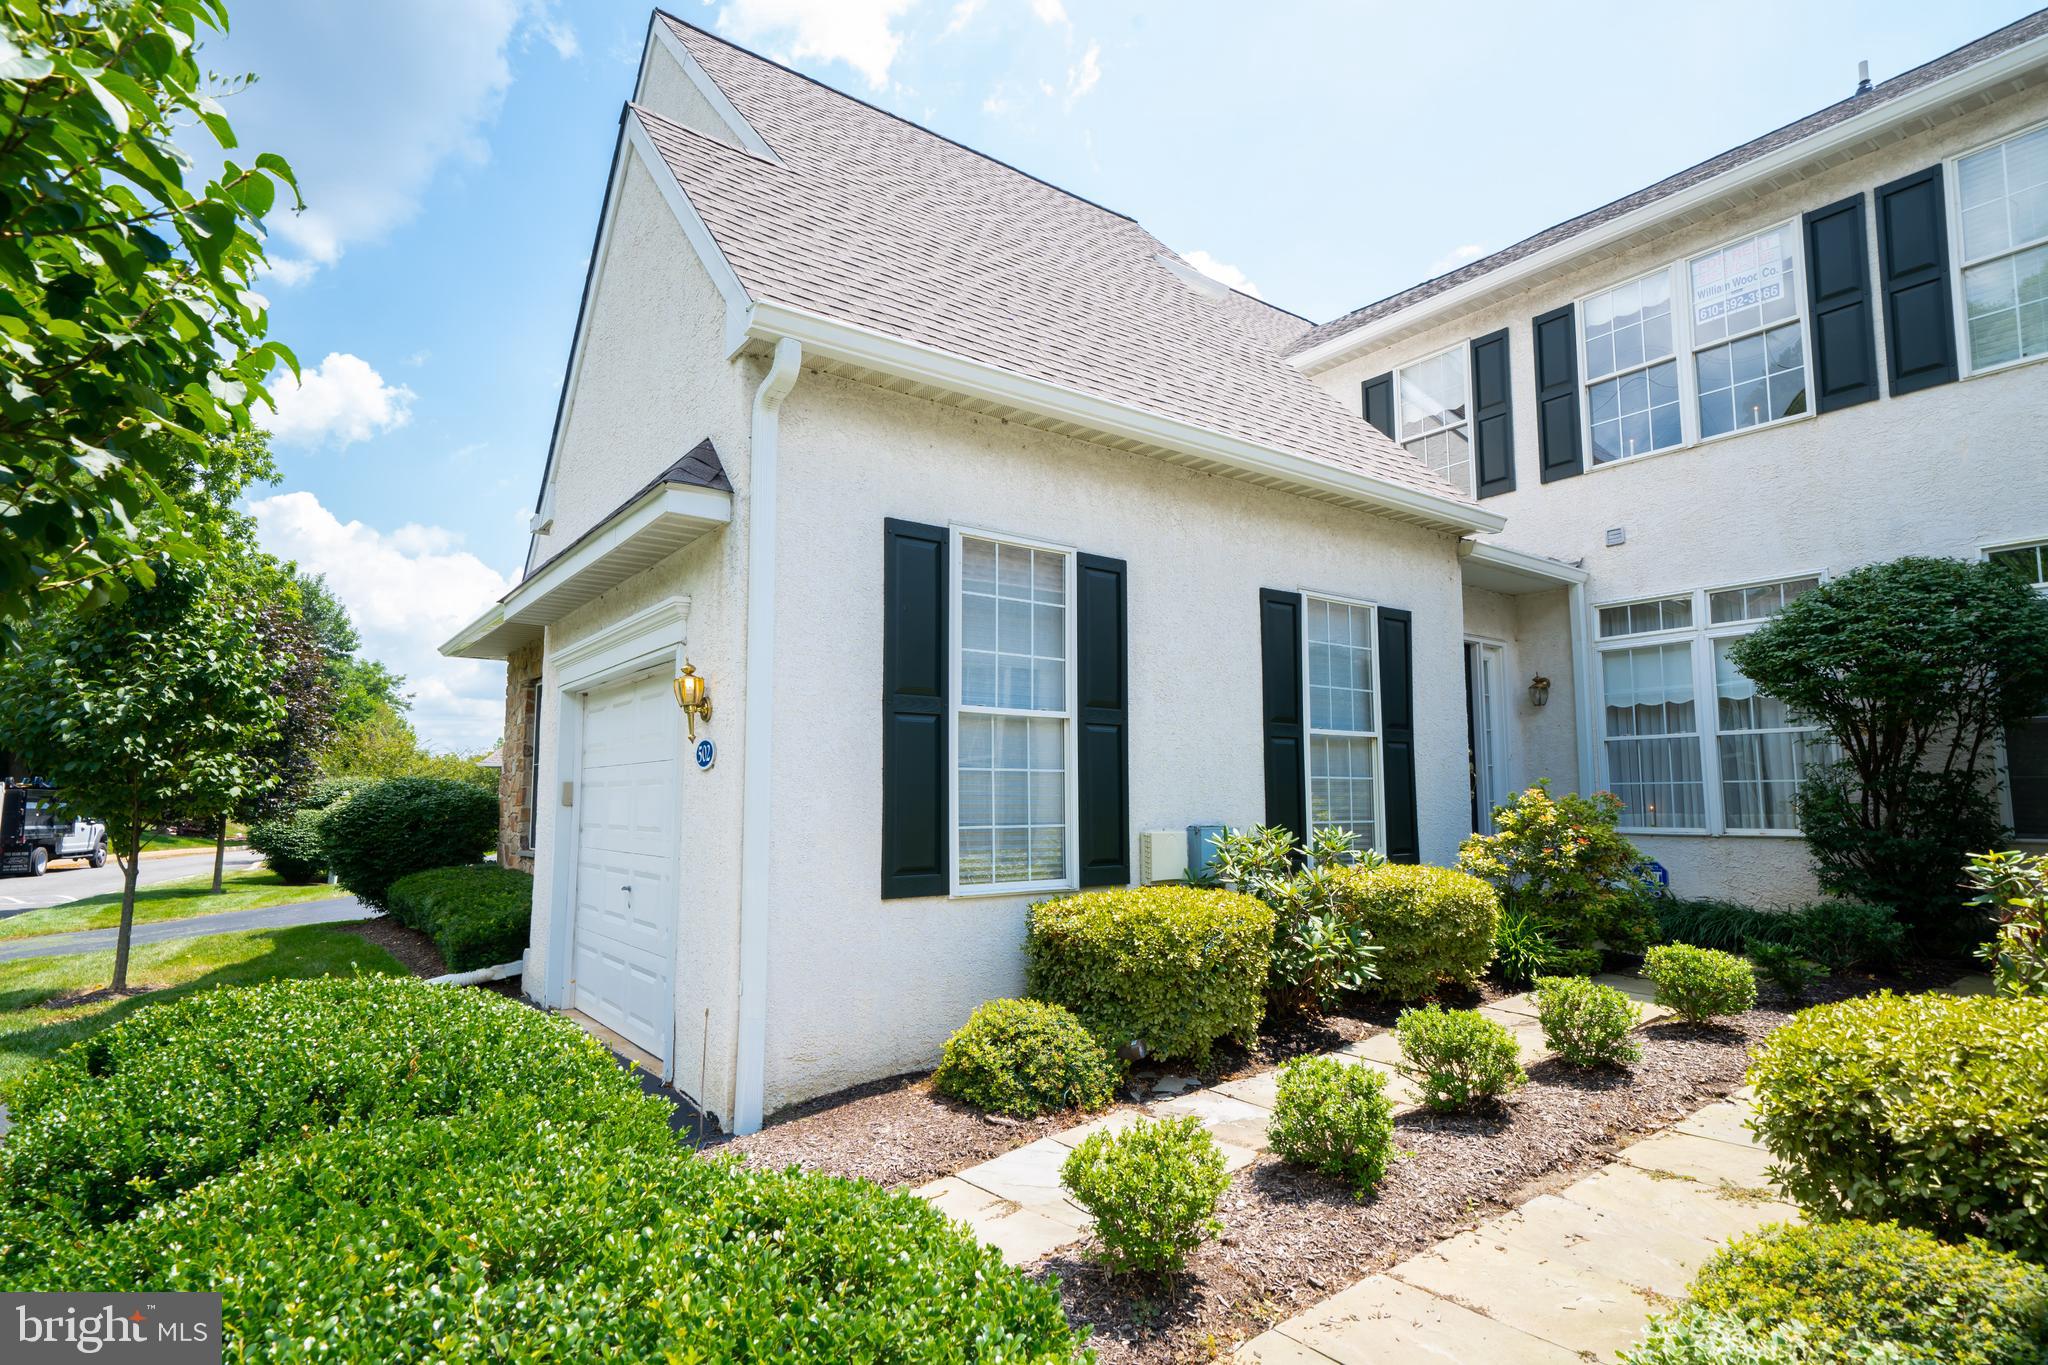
(1710, 834)
(1702, 442)
(979, 893)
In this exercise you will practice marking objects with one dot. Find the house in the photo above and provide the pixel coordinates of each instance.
(857, 415)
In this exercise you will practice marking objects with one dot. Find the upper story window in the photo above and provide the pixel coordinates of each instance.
(1631, 374)
(1343, 719)
(2002, 206)
(1749, 355)
(1435, 413)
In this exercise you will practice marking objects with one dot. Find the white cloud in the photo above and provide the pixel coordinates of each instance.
(368, 101)
(997, 104)
(342, 399)
(1049, 11)
(407, 590)
(857, 32)
(1082, 76)
(1455, 257)
(1221, 272)
(963, 14)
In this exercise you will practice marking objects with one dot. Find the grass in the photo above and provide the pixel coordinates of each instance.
(153, 842)
(30, 1031)
(248, 889)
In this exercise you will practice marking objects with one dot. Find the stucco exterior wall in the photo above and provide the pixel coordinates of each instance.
(1946, 471)
(860, 987)
(1535, 638)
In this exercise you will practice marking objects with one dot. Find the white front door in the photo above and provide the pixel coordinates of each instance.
(1485, 695)
(626, 856)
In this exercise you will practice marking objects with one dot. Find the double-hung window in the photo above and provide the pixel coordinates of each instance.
(1749, 354)
(1435, 413)
(1343, 719)
(1014, 794)
(1631, 370)
(1651, 714)
(2002, 210)
(2026, 741)
(1761, 750)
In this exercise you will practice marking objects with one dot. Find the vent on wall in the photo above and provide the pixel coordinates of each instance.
(1617, 535)
(1162, 856)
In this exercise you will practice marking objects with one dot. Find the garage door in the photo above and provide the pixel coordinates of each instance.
(626, 861)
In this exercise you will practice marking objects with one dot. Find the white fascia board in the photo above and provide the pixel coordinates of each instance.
(828, 339)
(529, 603)
(723, 276)
(459, 645)
(748, 137)
(1522, 562)
(1984, 75)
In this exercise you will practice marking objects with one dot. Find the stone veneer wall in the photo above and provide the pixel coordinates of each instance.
(515, 779)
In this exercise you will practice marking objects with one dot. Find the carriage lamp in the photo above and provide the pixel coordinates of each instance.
(1539, 690)
(692, 697)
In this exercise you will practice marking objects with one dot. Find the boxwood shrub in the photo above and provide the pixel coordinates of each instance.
(1586, 1023)
(290, 845)
(1152, 1190)
(478, 915)
(1024, 1058)
(1458, 1058)
(1173, 967)
(407, 824)
(1927, 1110)
(180, 1092)
(1434, 926)
(509, 1234)
(1700, 984)
(1334, 1116)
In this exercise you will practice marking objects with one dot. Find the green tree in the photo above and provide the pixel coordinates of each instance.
(359, 685)
(384, 744)
(1911, 667)
(128, 322)
(145, 710)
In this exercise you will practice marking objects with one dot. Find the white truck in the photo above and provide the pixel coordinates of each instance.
(32, 833)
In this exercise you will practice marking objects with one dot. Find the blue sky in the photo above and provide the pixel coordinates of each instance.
(453, 155)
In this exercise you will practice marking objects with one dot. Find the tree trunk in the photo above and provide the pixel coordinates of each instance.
(220, 853)
(130, 866)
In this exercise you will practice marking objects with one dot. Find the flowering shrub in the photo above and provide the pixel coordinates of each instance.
(1565, 862)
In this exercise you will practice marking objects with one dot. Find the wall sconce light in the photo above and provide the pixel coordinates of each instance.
(1539, 691)
(692, 697)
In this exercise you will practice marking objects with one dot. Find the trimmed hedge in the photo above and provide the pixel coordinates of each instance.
(1152, 1190)
(1025, 1058)
(1334, 1116)
(1175, 967)
(1458, 1058)
(1701, 984)
(1434, 926)
(478, 915)
(187, 1090)
(407, 824)
(1851, 1284)
(290, 845)
(1927, 1110)
(329, 790)
(1586, 1023)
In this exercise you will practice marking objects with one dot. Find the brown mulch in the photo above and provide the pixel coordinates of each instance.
(414, 950)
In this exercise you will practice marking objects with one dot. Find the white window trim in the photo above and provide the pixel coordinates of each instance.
(1688, 414)
(1952, 193)
(1309, 730)
(954, 558)
(1707, 730)
(1463, 350)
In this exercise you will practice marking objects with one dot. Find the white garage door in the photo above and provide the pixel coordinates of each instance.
(626, 861)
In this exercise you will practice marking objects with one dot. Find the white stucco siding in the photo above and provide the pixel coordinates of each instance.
(1534, 632)
(860, 987)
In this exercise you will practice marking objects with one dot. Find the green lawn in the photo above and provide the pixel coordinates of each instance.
(249, 889)
(151, 842)
(29, 1033)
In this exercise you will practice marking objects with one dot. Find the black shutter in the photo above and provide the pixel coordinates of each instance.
(1556, 337)
(1493, 423)
(1912, 254)
(1103, 707)
(1838, 290)
(1378, 401)
(1280, 671)
(914, 751)
(1397, 734)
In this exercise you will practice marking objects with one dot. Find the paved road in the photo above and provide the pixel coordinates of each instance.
(75, 881)
(338, 910)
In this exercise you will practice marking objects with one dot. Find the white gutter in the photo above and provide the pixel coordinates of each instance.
(1928, 99)
(757, 810)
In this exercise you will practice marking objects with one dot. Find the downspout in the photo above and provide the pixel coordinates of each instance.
(1582, 686)
(757, 810)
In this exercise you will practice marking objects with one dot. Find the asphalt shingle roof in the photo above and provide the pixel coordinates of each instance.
(871, 220)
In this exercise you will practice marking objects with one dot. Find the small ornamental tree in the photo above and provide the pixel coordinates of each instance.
(1911, 667)
(1562, 861)
(144, 710)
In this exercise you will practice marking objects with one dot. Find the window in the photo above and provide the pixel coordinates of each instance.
(1343, 723)
(1762, 751)
(1434, 409)
(1631, 374)
(2030, 562)
(1640, 618)
(1014, 717)
(2026, 741)
(1652, 735)
(1749, 356)
(2002, 207)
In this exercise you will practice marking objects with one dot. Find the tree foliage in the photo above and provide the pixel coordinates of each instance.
(128, 325)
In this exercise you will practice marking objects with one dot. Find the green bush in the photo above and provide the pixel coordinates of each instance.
(1458, 1057)
(327, 791)
(1927, 1110)
(407, 824)
(1434, 926)
(1174, 967)
(1586, 1023)
(1024, 1058)
(1693, 1336)
(190, 1089)
(479, 914)
(1565, 861)
(1334, 1117)
(1846, 935)
(1785, 967)
(1152, 1190)
(1318, 954)
(290, 845)
(508, 1234)
(2013, 888)
(1848, 1284)
(1700, 984)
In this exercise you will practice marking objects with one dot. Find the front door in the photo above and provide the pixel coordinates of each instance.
(626, 855)
(1486, 717)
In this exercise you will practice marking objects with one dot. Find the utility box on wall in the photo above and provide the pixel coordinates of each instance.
(1162, 857)
(1201, 851)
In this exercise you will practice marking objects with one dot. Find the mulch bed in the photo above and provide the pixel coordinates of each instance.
(414, 950)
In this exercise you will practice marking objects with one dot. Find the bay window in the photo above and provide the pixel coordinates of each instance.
(2002, 209)
(1343, 728)
(1435, 410)
(1749, 354)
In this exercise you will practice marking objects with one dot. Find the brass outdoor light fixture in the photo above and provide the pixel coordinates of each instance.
(1539, 690)
(692, 697)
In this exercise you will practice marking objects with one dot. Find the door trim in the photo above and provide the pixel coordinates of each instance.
(1477, 647)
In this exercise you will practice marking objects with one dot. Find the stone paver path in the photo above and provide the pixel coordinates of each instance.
(1014, 1202)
